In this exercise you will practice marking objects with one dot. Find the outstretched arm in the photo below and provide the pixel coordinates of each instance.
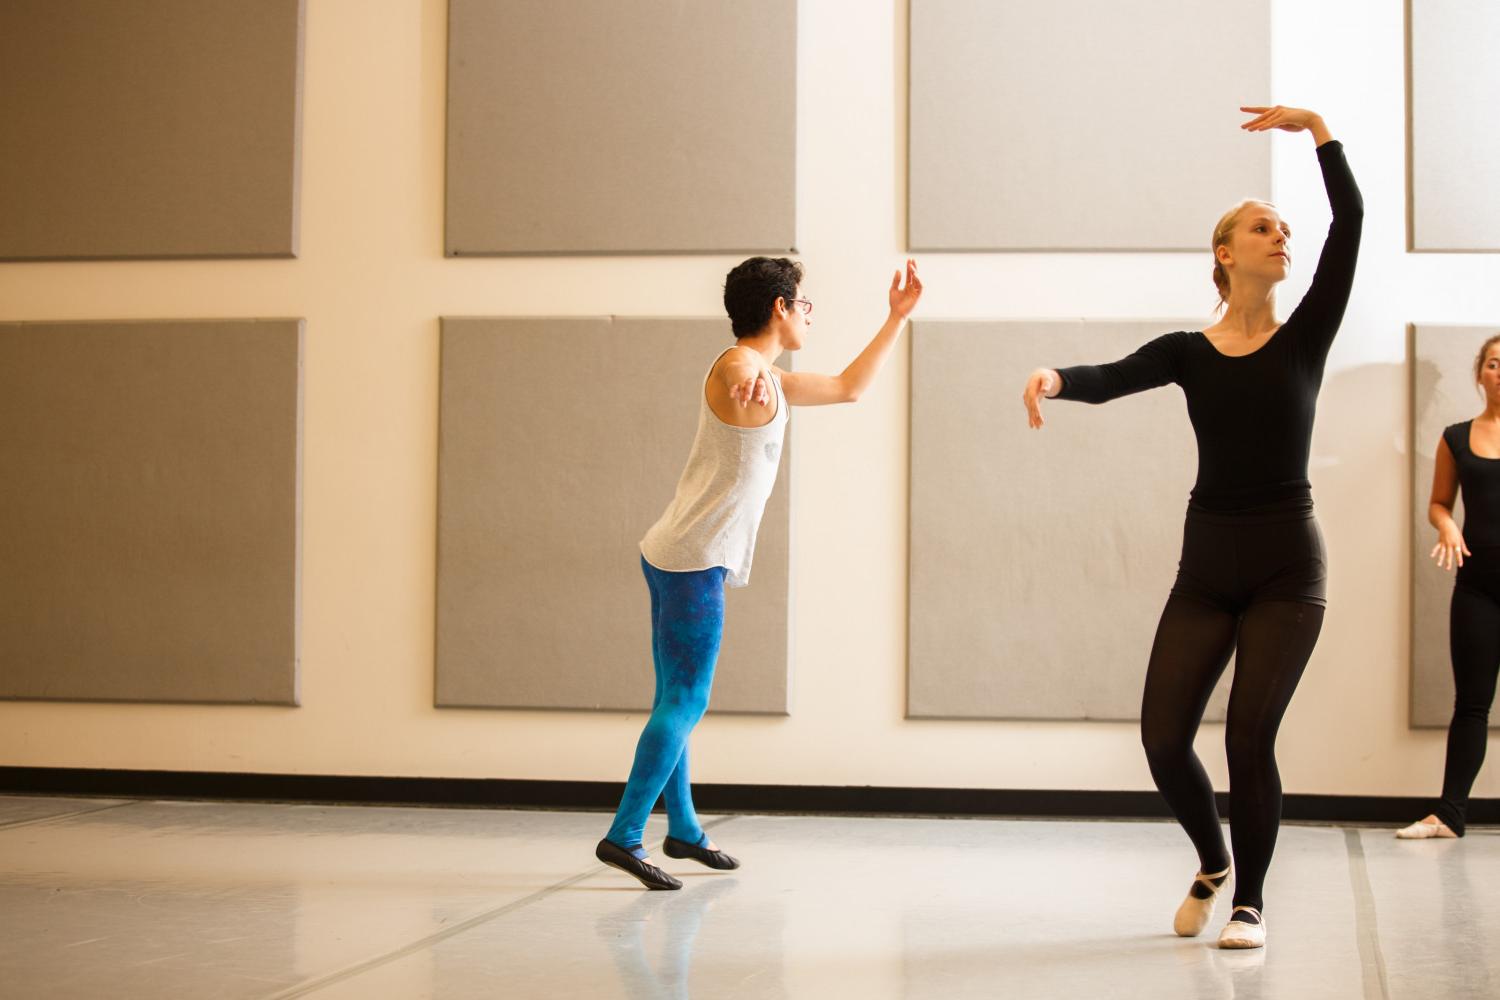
(1153, 364)
(813, 389)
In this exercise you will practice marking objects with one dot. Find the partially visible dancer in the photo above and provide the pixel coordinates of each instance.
(1468, 459)
(1251, 580)
(706, 538)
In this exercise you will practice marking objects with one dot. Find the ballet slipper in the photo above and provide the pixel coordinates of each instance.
(1244, 933)
(1194, 913)
(1423, 830)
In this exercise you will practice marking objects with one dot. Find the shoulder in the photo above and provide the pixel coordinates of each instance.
(737, 360)
(1179, 339)
(1456, 434)
(1173, 346)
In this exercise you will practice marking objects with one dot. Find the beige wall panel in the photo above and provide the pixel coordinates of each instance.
(1020, 137)
(1443, 393)
(594, 126)
(561, 442)
(155, 128)
(1040, 561)
(1454, 126)
(150, 510)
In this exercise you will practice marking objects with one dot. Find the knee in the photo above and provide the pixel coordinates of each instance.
(1471, 710)
(685, 708)
(1165, 745)
(1249, 747)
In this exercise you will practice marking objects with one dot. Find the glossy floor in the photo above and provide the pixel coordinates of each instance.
(125, 899)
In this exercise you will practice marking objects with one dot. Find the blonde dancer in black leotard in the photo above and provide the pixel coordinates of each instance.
(1251, 581)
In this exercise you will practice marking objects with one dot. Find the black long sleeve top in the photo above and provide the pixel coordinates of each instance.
(1253, 414)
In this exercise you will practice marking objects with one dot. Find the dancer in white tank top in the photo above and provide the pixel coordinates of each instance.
(706, 538)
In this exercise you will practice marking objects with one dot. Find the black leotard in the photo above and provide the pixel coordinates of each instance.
(1252, 415)
(1479, 479)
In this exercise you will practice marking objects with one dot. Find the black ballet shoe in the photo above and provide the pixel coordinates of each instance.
(646, 873)
(674, 848)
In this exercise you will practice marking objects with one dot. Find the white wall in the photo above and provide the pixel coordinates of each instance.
(372, 282)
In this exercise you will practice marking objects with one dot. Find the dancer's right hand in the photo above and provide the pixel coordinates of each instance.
(1044, 382)
(1450, 547)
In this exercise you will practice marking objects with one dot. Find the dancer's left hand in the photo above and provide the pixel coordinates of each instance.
(904, 300)
(1287, 120)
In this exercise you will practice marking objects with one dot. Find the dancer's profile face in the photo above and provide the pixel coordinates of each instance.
(798, 319)
(1260, 245)
(1489, 373)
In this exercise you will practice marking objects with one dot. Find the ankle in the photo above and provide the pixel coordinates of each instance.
(636, 850)
(1208, 882)
(1246, 914)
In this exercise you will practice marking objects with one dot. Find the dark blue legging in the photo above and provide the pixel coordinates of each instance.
(687, 622)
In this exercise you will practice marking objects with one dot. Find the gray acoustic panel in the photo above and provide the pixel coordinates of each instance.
(154, 128)
(1022, 134)
(1453, 132)
(562, 441)
(1443, 393)
(1040, 560)
(596, 127)
(150, 511)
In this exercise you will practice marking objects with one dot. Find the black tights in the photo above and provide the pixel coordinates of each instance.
(1193, 643)
(1253, 588)
(1474, 640)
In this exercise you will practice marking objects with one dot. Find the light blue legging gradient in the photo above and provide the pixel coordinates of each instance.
(687, 623)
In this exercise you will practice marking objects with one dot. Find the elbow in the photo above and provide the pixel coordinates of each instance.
(851, 395)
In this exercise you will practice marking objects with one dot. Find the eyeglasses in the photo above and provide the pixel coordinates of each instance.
(806, 305)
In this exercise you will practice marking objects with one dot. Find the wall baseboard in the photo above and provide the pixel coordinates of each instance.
(604, 795)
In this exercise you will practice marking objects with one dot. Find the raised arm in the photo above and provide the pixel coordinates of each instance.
(1450, 547)
(813, 389)
(1326, 297)
(1152, 365)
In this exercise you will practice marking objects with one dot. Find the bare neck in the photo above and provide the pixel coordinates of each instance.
(767, 344)
(1250, 312)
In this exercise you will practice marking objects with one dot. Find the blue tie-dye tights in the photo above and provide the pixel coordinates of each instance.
(687, 622)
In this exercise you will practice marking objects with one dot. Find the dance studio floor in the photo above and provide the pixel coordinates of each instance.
(137, 899)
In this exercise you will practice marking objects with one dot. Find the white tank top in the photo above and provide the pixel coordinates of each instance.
(713, 519)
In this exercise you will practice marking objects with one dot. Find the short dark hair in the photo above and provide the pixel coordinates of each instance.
(752, 288)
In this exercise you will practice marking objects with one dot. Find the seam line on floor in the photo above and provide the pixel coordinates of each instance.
(17, 824)
(421, 944)
(1366, 929)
